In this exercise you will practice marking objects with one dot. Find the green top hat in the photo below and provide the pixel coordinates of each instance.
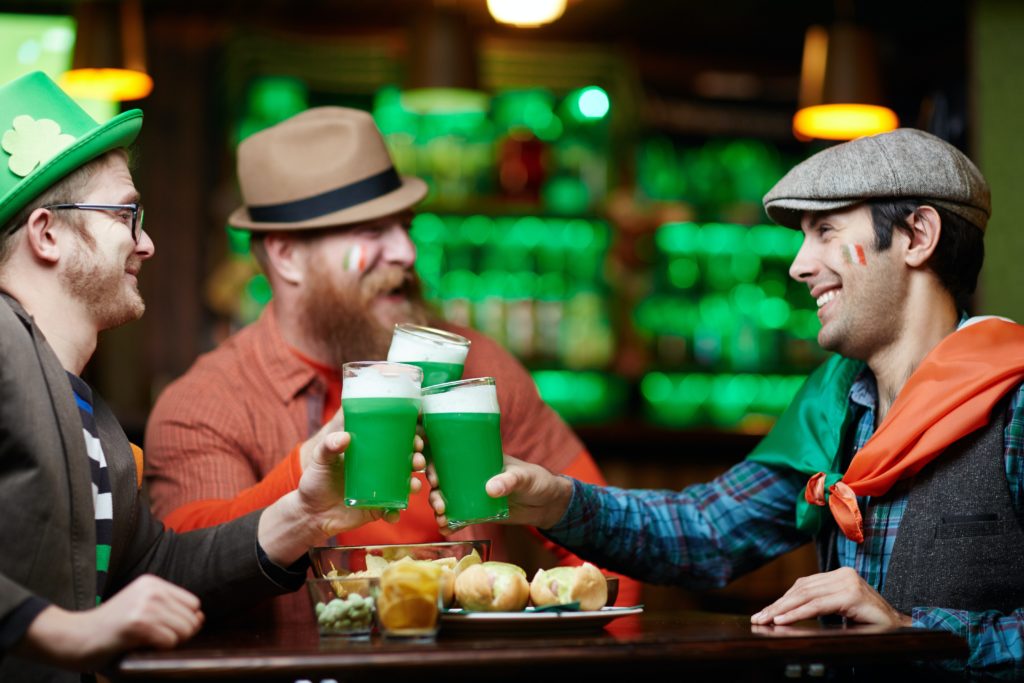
(45, 135)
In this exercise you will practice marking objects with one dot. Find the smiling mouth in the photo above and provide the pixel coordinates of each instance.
(827, 297)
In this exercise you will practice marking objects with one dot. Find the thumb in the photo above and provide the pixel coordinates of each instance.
(500, 484)
(333, 443)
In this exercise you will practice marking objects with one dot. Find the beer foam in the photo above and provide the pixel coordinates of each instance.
(381, 382)
(407, 348)
(480, 398)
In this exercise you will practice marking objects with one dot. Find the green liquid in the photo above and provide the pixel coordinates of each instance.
(378, 462)
(466, 450)
(437, 373)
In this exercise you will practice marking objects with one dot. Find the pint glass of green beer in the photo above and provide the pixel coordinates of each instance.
(441, 355)
(381, 403)
(464, 428)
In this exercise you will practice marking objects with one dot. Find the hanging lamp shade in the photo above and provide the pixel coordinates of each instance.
(840, 97)
(109, 58)
(442, 70)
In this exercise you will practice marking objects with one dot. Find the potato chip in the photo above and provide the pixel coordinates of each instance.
(375, 565)
(409, 592)
(467, 561)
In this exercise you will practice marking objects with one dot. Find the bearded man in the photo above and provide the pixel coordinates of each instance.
(330, 220)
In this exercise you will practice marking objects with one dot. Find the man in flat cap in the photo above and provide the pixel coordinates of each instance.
(86, 572)
(329, 218)
(901, 457)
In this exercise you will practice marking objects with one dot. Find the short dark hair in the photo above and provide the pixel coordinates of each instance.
(959, 254)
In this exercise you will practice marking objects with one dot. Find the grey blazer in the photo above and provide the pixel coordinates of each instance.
(47, 524)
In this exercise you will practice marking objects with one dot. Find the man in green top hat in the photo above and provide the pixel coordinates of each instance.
(901, 457)
(86, 573)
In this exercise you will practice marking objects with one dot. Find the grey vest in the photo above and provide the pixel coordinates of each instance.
(960, 544)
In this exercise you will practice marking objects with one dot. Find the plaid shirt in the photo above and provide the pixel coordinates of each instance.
(708, 534)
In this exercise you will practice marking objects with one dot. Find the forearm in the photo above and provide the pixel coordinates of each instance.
(15, 623)
(995, 639)
(54, 636)
(205, 513)
(700, 537)
(286, 531)
(585, 469)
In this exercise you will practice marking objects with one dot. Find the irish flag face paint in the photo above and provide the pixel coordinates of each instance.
(854, 253)
(355, 259)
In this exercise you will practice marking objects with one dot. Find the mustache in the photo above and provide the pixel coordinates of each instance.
(385, 280)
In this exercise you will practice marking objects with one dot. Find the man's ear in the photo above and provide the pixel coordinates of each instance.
(43, 237)
(286, 257)
(926, 229)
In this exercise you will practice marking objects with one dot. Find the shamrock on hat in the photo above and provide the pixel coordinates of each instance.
(31, 142)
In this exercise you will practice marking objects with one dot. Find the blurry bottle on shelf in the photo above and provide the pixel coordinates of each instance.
(550, 313)
(731, 337)
(541, 287)
(522, 166)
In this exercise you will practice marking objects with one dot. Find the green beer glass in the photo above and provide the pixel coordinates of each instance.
(463, 424)
(441, 355)
(381, 403)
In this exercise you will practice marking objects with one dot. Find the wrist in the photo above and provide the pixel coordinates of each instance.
(53, 637)
(286, 531)
(561, 499)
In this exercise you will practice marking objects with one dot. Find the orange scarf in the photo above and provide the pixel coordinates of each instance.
(949, 396)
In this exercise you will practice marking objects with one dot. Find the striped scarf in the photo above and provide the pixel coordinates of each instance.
(101, 496)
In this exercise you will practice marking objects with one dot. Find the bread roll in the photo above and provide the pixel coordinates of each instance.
(492, 587)
(453, 568)
(561, 585)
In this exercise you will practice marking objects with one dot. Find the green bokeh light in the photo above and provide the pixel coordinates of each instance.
(258, 289)
(238, 240)
(683, 272)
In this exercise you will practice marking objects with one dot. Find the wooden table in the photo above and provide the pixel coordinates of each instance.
(724, 646)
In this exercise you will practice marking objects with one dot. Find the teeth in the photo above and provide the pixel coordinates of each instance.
(826, 297)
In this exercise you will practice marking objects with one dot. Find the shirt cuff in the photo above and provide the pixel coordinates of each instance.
(291, 577)
(573, 517)
(16, 623)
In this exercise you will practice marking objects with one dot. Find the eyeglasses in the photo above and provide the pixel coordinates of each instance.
(131, 215)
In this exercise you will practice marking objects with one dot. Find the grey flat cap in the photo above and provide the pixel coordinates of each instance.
(904, 163)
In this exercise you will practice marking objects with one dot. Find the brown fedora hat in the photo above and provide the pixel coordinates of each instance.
(325, 167)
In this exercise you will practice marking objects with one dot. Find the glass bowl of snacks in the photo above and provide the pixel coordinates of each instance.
(345, 607)
(370, 561)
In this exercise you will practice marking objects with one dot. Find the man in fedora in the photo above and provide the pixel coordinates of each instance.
(86, 572)
(902, 457)
(329, 219)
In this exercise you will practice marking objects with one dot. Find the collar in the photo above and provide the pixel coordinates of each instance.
(289, 376)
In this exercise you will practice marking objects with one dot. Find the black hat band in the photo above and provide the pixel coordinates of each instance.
(328, 202)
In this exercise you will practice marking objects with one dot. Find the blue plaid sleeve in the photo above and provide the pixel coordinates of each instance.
(995, 639)
(700, 537)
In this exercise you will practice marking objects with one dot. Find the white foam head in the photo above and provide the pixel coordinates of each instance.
(382, 380)
(473, 398)
(423, 344)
